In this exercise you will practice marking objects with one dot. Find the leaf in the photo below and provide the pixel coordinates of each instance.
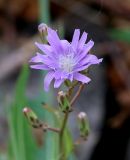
(22, 144)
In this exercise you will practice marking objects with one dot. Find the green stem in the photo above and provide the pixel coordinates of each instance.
(61, 135)
(61, 141)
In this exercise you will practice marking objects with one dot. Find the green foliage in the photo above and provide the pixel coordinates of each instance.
(22, 145)
(120, 34)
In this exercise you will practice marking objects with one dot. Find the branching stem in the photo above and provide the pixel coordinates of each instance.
(61, 136)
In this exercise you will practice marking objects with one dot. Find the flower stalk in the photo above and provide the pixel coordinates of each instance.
(61, 136)
(65, 119)
(77, 94)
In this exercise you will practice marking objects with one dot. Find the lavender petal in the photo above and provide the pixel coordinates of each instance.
(90, 59)
(75, 38)
(44, 48)
(82, 40)
(80, 68)
(37, 59)
(47, 80)
(59, 74)
(88, 46)
(86, 49)
(54, 41)
(58, 82)
(71, 77)
(82, 78)
(39, 66)
(65, 44)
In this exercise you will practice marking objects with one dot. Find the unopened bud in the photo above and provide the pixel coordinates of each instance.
(83, 125)
(82, 115)
(42, 28)
(63, 102)
(32, 118)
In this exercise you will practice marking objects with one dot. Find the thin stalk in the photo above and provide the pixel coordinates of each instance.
(61, 141)
(44, 6)
(54, 129)
(70, 91)
(77, 94)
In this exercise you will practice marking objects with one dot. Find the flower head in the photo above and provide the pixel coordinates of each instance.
(64, 60)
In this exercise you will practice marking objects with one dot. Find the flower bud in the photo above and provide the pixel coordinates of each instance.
(32, 118)
(83, 125)
(63, 102)
(42, 28)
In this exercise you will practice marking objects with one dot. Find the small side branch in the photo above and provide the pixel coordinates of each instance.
(77, 94)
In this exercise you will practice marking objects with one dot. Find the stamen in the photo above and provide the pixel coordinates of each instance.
(66, 62)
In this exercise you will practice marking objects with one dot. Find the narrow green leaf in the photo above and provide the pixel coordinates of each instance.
(22, 144)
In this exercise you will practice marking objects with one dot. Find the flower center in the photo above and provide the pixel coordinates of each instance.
(66, 62)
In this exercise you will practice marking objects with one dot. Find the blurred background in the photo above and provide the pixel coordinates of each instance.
(106, 100)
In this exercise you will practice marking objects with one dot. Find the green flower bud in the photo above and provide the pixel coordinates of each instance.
(83, 125)
(63, 102)
(32, 118)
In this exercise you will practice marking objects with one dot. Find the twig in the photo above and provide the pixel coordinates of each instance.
(77, 94)
(54, 129)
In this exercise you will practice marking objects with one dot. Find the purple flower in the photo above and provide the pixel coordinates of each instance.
(64, 60)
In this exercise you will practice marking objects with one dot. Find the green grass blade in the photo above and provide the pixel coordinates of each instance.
(21, 145)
